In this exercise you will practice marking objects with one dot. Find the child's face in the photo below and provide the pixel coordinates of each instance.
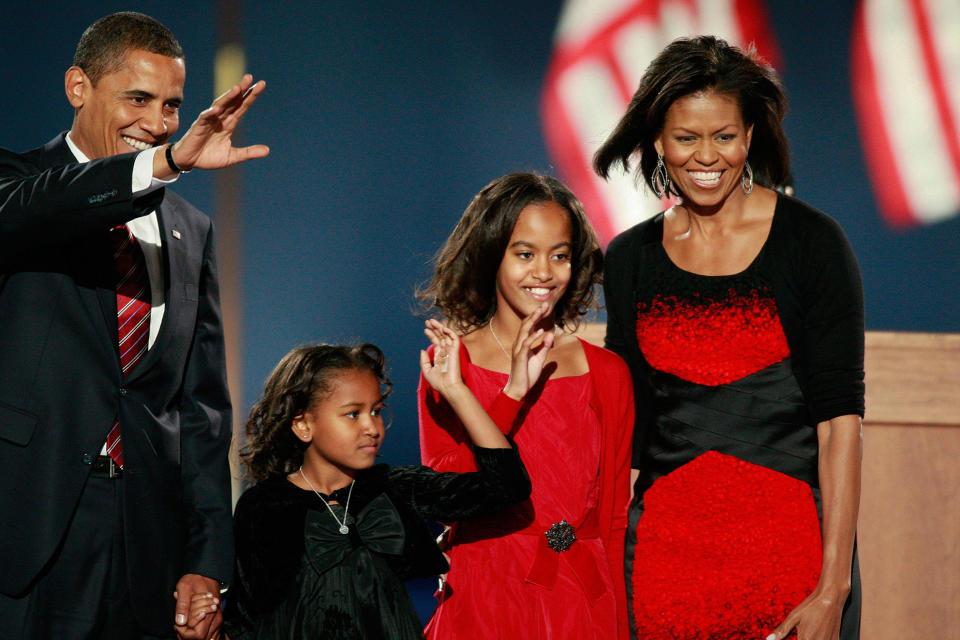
(345, 429)
(536, 266)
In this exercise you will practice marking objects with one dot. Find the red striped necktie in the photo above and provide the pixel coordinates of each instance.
(133, 315)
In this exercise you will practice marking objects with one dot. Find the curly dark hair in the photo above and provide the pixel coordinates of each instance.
(104, 43)
(303, 377)
(464, 280)
(690, 65)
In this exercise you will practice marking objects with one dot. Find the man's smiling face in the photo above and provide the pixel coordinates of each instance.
(133, 108)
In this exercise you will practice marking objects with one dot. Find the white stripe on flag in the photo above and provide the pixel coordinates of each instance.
(716, 17)
(581, 20)
(945, 31)
(676, 20)
(635, 46)
(602, 49)
(909, 111)
(594, 105)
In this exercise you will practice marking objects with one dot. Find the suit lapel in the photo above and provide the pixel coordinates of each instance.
(173, 264)
(107, 295)
(94, 266)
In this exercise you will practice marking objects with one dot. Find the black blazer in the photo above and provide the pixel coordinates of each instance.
(61, 383)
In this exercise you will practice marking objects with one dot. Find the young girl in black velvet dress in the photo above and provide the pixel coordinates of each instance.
(326, 538)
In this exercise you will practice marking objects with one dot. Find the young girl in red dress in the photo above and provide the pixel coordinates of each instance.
(517, 273)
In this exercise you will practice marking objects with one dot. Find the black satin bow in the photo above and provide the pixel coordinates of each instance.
(377, 528)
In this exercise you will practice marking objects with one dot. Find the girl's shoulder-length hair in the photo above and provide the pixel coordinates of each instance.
(302, 377)
(463, 285)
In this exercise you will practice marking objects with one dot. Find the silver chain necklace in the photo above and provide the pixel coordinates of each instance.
(344, 529)
(499, 344)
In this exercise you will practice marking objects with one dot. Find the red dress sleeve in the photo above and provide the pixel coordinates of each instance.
(444, 444)
(616, 403)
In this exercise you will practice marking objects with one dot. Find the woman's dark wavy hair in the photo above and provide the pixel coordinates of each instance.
(303, 377)
(464, 280)
(690, 65)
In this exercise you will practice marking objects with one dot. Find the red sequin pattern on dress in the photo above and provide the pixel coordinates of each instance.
(711, 342)
(725, 550)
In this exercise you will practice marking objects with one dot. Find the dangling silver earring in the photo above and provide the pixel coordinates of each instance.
(746, 179)
(661, 179)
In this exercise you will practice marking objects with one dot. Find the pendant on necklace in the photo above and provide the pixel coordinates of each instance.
(344, 529)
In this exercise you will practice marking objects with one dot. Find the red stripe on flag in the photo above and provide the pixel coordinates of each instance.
(568, 152)
(754, 27)
(878, 150)
(598, 44)
(616, 70)
(751, 17)
(936, 75)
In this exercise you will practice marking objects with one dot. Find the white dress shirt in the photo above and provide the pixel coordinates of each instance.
(146, 229)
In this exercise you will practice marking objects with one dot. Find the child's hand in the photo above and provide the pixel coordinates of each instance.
(443, 373)
(530, 351)
(201, 605)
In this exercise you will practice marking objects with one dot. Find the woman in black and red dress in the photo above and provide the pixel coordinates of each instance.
(740, 313)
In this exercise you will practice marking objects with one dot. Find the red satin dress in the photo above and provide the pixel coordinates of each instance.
(505, 581)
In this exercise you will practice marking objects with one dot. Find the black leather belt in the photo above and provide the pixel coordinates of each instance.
(105, 466)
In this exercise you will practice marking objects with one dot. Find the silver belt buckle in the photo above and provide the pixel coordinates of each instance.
(560, 536)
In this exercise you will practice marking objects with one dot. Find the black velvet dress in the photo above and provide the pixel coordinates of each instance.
(299, 577)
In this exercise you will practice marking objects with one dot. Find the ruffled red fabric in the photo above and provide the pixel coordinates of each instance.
(725, 550)
(711, 342)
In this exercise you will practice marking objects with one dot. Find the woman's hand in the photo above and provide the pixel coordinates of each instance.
(816, 618)
(529, 354)
(443, 373)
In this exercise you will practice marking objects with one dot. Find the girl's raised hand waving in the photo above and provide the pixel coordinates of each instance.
(529, 354)
(443, 373)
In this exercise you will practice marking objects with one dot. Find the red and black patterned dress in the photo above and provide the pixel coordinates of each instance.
(732, 375)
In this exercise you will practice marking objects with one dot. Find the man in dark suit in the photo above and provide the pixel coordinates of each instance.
(114, 411)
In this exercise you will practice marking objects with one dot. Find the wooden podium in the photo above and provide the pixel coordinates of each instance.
(909, 528)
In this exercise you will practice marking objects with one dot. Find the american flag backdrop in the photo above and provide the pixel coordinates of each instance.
(905, 66)
(601, 49)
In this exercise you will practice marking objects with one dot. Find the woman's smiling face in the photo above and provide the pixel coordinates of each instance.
(704, 143)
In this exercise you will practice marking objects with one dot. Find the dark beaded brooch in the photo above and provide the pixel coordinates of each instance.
(560, 536)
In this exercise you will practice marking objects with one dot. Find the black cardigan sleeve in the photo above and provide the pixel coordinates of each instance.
(820, 296)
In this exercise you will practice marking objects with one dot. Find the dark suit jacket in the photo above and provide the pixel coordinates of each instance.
(61, 383)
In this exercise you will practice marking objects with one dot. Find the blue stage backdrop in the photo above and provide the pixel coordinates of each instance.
(384, 118)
